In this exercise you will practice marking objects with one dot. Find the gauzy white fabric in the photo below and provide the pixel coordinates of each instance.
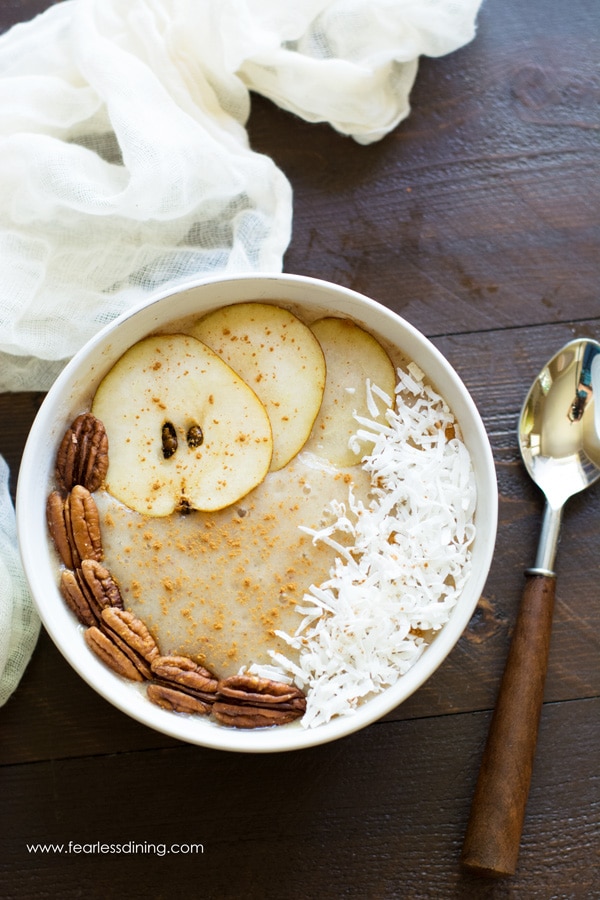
(125, 164)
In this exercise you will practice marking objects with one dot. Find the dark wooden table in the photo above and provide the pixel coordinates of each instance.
(478, 221)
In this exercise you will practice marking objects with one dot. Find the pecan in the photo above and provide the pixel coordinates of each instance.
(242, 716)
(248, 701)
(106, 649)
(55, 516)
(88, 590)
(82, 456)
(99, 585)
(132, 630)
(74, 525)
(176, 700)
(83, 525)
(76, 599)
(185, 674)
(131, 636)
(261, 691)
(134, 658)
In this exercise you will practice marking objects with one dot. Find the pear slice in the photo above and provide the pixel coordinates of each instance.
(352, 356)
(280, 358)
(184, 430)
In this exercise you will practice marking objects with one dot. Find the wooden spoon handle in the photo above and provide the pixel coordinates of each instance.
(493, 834)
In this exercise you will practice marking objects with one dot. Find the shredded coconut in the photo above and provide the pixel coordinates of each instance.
(408, 560)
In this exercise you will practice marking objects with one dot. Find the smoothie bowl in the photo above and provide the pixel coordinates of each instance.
(257, 513)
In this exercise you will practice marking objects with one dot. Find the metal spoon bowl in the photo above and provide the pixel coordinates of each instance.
(559, 439)
(559, 435)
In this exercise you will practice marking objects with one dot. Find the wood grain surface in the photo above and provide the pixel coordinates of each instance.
(478, 220)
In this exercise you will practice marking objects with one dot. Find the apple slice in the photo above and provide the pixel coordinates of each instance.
(184, 430)
(353, 356)
(280, 358)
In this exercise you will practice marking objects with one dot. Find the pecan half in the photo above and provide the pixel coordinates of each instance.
(100, 586)
(132, 630)
(241, 716)
(76, 599)
(55, 516)
(248, 701)
(83, 525)
(82, 456)
(131, 636)
(260, 691)
(106, 650)
(184, 673)
(134, 658)
(74, 525)
(88, 590)
(176, 700)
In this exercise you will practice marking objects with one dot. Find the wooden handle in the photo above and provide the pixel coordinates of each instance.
(493, 834)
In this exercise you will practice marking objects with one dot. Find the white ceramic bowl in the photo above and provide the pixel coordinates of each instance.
(72, 393)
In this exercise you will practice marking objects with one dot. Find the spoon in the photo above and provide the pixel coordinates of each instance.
(559, 439)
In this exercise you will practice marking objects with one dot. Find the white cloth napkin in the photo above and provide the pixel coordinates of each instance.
(125, 164)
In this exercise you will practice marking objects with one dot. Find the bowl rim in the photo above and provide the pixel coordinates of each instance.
(125, 696)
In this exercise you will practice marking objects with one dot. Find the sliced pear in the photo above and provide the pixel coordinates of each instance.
(352, 356)
(183, 429)
(280, 358)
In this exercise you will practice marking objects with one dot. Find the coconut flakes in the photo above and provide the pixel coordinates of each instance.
(407, 562)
